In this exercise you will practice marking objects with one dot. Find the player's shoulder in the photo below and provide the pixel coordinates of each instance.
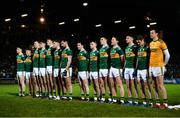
(84, 51)
(107, 47)
(67, 49)
(161, 41)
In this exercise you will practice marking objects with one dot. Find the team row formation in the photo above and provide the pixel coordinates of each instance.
(48, 72)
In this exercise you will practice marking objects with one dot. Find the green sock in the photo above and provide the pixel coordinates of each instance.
(130, 99)
(165, 100)
(95, 95)
(122, 98)
(103, 95)
(64, 94)
(157, 100)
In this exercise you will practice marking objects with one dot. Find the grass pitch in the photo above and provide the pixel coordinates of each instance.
(13, 105)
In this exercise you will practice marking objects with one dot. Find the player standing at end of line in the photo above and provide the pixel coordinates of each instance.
(159, 57)
(20, 71)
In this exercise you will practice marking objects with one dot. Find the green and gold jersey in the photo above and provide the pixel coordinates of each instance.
(116, 53)
(49, 56)
(57, 58)
(20, 62)
(64, 57)
(142, 57)
(130, 52)
(42, 58)
(36, 58)
(28, 64)
(103, 59)
(83, 60)
(94, 55)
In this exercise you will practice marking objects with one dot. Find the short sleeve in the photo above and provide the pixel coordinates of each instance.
(120, 51)
(69, 52)
(163, 45)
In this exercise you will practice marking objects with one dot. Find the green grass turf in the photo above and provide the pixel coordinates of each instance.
(12, 105)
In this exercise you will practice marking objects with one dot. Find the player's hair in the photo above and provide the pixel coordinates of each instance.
(64, 40)
(36, 41)
(42, 42)
(104, 38)
(115, 38)
(155, 29)
(81, 43)
(139, 37)
(18, 47)
(94, 42)
(27, 49)
(56, 40)
(49, 39)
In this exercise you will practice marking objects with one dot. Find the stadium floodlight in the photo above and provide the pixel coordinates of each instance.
(23, 26)
(99, 25)
(132, 27)
(117, 21)
(24, 15)
(154, 23)
(42, 19)
(85, 4)
(76, 20)
(7, 20)
(148, 26)
(61, 23)
(42, 10)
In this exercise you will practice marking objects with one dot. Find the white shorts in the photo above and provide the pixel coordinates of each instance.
(93, 75)
(142, 74)
(35, 71)
(83, 75)
(103, 72)
(49, 69)
(56, 72)
(28, 75)
(68, 74)
(156, 71)
(42, 72)
(115, 72)
(128, 73)
(20, 73)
